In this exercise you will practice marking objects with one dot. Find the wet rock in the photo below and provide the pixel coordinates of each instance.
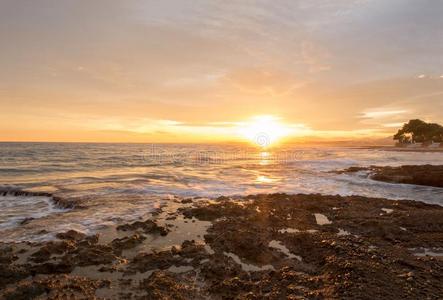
(12, 273)
(165, 285)
(71, 235)
(7, 255)
(52, 248)
(26, 221)
(65, 203)
(89, 240)
(147, 226)
(109, 269)
(214, 211)
(52, 268)
(429, 175)
(189, 249)
(332, 266)
(24, 291)
(127, 242)
(374, 261)
(157, 211)
(189, 253)
(54, 287)
(157, 260)
(351, 170)
(18, 192)
(91, 255)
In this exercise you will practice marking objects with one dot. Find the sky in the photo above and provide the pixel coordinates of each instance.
(196, 71)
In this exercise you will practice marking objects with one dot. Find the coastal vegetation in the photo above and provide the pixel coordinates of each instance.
(418, 131)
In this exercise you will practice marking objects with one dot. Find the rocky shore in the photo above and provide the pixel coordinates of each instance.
(428, 175)
(273, 246)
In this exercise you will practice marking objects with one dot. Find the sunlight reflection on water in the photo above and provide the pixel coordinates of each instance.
(203, 170)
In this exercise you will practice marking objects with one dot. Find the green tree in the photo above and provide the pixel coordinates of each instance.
(418, 131)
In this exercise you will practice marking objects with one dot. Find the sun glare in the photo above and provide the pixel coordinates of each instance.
(264, 131)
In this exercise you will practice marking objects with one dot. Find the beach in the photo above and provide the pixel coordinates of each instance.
(221, 150)
(297, 223)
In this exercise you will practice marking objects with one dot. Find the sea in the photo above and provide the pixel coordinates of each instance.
(120, 182)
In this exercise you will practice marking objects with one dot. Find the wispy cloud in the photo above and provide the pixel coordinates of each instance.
(382, 113)
(205, 66)
(393, 125)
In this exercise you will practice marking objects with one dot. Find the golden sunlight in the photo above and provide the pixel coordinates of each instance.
(264, 131)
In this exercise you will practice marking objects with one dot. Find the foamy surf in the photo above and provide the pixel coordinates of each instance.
(114, 183)
(204, 170)
(18, 208)
(36, 218)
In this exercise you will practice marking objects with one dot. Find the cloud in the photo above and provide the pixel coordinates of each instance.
(265, 81)
(382, 113)
(82, 64)
(316, 57)
(393, 125)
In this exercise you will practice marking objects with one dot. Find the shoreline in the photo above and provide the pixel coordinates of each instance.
(269, 246)
(402, 149)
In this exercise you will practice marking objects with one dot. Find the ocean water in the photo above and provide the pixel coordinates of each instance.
(118, 182)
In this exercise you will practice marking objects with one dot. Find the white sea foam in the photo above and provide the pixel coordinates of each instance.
(17, 209)
(97, 169)
(111, 176)
(96, 213)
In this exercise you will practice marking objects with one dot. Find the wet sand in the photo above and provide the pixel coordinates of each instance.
(256, 247)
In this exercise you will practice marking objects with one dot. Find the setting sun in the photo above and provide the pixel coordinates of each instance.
(264, 130)
(146, 146)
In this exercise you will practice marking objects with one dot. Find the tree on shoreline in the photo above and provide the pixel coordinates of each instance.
(418, 131)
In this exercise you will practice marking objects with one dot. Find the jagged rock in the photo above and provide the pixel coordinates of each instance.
(71, 235)
(428, 175)
(147, 226)
(164, 285)
(127, 242)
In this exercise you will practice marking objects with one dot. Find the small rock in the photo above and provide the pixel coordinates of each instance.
(71, 235)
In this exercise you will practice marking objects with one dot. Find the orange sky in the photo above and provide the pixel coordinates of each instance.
(178, 71)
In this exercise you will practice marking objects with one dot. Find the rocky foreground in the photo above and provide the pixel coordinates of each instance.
(428, 175)
(259, 247)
